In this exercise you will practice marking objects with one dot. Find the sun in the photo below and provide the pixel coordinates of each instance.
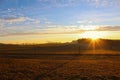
(94, 38)
(94, 35)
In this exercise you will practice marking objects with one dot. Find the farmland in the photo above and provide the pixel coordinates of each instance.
(59, 62)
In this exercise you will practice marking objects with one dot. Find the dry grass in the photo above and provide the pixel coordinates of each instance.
(82, 67)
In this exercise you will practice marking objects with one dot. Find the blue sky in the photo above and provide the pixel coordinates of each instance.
(33, 17)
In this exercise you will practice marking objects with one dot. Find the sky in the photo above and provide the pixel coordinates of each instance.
(44, 21)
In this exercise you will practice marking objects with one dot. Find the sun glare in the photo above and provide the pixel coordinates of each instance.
(94, 38)
(94, 35)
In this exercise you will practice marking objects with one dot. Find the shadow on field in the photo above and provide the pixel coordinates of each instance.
(95, 78)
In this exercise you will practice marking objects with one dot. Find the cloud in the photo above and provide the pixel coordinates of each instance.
(104, 3)
(108, 28)
(58, 29)
(13, 19)
(59, 3)
(0, 25)
(84, 21)
(39, 33)
(63, 3)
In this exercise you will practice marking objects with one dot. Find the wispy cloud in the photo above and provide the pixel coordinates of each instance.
(43, 32)
(55, 29)
(15, 22)
(13, 19)
(84, 22)
(108, 28)
(63, 3)
(104, 3)
(0, 25)
(59, 29)
(59, 3)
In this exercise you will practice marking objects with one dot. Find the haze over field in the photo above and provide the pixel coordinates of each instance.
(43, 21)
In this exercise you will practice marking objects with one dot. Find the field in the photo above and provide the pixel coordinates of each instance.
(58, 62)
(61, 67)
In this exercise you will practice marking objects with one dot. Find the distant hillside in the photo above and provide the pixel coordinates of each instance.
(74, 46)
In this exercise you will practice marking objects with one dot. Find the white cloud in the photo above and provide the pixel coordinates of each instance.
(84, 22)
(59, 3)
(0, 25)
(104, 3)
(56, 29)
(63, 3)
(12, 19)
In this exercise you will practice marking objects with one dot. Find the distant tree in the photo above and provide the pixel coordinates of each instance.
(79, 45)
